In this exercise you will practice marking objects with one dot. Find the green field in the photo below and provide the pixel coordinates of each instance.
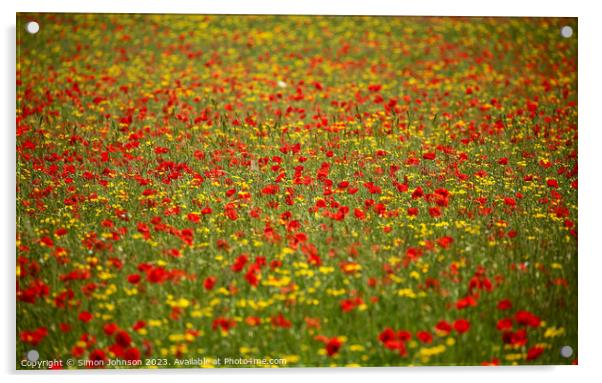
(310, 190)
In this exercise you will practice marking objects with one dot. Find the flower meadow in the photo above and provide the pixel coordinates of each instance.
(319, 191)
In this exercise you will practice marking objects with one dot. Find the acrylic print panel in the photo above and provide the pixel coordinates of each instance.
(295, 191)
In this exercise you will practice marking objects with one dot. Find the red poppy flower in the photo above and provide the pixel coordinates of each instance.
(413, 253)
(359, 214)
(192, 217)
(417, 193)
(34, 337)
(509, 201)
(312, 322)
(504, 324)
(239, 263)
(110, 328)
(253, 321)
(404, 335)
(349, 304)
(139, 325)
(527, 318)
(424, 336)
(157, 275)
(445, 242)
(60, 232)
(412, 211)
(132, 354)
(270, 190)
(333, 346)
(443, 327)
(123, 339)
(463, 303)
(372, 188)
(461, 325)
(231, 214)
(386, 335)
(209, 282)
(517, 338)
(99, 356)
(280, 321)
(534, 352)
(134, 278)
(252, 275)
(77, 351)
(504, 304)
(47, 241)
(435, 212)
(222, 323)
(85, 316)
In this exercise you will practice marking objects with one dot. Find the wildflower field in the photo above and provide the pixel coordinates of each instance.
(292, 191)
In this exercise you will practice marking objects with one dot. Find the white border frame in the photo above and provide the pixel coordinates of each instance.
(590, 266)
